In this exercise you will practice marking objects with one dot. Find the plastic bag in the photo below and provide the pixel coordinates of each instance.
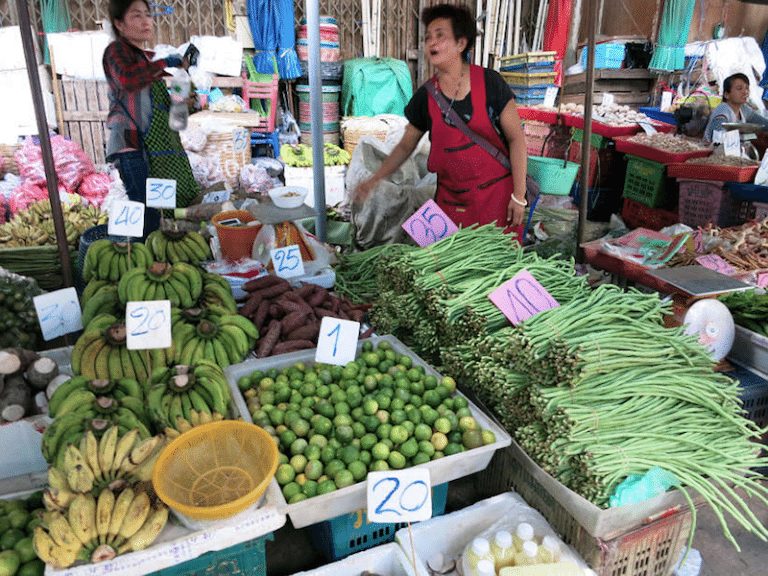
(314, 253)
(95, 187)
(194, 139)
(116, 190)
(637, 488)
(255, 179)
(29, 159)
(231, 103)
(289, 129)
(273, 166)
(71, 162)
(25, 194)
(205, 169)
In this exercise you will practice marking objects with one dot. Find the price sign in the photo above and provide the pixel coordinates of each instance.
(337, 343)
(716, 263)
(718, 136)
(522, 297)
(647, 127)
(126, 218)
(216, 197)
(732, 143)
(666, 101)
(240, 140)
(287, 261)
(550, 96)
(399, 495)
(429, 224)
(608, 99)
(161, 193)
(762, 280)
(58, 313)
(148, 324)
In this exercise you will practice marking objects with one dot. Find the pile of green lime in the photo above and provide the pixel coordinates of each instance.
(335, 424)
(18, 519)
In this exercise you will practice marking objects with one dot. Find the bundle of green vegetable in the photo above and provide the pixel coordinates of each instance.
(356, 273)
(18, 319)
(749, 309)
(609, 392)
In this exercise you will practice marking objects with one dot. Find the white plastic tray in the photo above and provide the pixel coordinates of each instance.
(387, 560)
(328, 506)
(750, 349)
(449, 535)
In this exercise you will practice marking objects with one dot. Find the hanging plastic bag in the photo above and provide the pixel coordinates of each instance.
(289, 129)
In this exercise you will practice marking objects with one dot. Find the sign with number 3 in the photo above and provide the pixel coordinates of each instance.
(429, 224)
(522, 297)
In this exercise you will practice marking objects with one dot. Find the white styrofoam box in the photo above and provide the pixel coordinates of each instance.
(334, 183)
(79, 54)
(219, 55)
(352, 498)
(13, 51)
(387, 559)
(448, 535)
(21, 453)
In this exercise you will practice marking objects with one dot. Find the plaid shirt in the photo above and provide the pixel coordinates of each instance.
(130, 72)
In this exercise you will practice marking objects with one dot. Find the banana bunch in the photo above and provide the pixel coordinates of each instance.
(104, 300)
(107, 260)
(175, 246)
(335, 156)
(185, 396)
(114, 461)
(213, 333)
(98, 528)
(217, 292)
(34, 225)
(299, 155)
(181, 283)
(101, 353)
(81, 390)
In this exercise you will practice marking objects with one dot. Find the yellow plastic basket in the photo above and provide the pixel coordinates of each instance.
(215, 470)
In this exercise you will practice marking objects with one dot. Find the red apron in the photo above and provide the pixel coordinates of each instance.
(472, 187)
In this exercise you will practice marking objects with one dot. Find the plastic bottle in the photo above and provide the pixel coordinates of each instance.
(478, 551)
(529, 556)
(523, 534)
(549, 551)
(502, 549)
(485, 568)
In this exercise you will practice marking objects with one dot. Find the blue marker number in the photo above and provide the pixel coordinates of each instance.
(399, 495)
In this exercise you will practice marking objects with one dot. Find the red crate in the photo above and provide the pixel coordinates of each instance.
(545, 140)
(623, 144)
(712, 172)
(607, 130)
(537, 114)
(704, 201)
(638, 215)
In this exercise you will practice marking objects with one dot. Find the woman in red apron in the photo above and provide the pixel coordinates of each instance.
(473, 187)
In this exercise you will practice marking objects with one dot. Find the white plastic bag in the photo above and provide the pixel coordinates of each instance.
(320, 255)
(254, 179)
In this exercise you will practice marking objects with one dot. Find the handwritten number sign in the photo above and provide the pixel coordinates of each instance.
(608, 99)
(522, 297)
(338, 341)
(429, 224)
(732, 143)
(287, 261)
(216, 197)
(716, 263)
(550, 96)
(399, 495)
(240, 140)
(58, 313)
(148, 324)
(126, 218)
(161, 193)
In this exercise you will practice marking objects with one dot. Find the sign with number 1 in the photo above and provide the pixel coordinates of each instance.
(522, 297)
(58, 313)
(337, 343)
(161, 193)
(399, 495)
(148, 324)
(429, 224)
(287, 261)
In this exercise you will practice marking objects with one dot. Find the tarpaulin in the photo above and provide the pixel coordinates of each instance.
(556, 32)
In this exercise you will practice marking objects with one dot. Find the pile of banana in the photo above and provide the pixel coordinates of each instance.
(213, 333)
(101, 300)
(335, 156)
(79, 391)
(178, 246)
(101, 353)
(107, 260)
(188, 395)
(34, 226)
(300, 155)
(217, 292)
(181, 283)
(98, 528)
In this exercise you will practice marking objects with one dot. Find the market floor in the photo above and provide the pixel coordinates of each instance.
(292, 550)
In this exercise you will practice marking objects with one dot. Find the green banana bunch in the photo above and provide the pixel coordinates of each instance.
(81, 390)
(217, 292)
(299, 155)
(335, 156)
(107, 260)
(96, 528)
(177, 246)
(188, 395)
(103, 301)
(181, 283)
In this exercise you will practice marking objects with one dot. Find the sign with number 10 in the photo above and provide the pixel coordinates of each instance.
(429, 224)
(522, 297)
(399, 495)
(337, 343)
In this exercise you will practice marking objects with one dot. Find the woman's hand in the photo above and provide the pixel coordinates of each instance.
(515, 212)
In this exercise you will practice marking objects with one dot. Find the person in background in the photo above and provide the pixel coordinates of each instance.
(734, 107)
(140, 143)
(473, 187)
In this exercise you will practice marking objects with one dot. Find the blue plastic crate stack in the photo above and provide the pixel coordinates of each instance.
(607, 55)
(529, 75)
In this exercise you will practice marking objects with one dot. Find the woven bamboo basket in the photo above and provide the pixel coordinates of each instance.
(354, 128)
(7, 159)
(233, 151)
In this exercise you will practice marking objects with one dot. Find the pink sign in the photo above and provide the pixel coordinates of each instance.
(429, 224)
(522, 297)
(762, 280)
(716, 263)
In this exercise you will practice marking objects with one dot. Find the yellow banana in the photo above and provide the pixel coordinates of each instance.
(122, 503)
(148, 532)
(62, 533)
(92, 455)
(135, 517)
(104, 508)
(123, 450)
(107, 447)
(82, 518)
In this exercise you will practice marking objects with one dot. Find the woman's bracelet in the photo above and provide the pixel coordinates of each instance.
(522, 203)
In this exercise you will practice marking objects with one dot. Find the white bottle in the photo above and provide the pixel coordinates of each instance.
(485, 568)
(549, 551)
(529, 556)
(478, 551)
(503, 550)
(523, 534)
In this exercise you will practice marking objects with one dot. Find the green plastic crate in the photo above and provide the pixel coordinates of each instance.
(245, 559)
(645, 181)
(596, 140)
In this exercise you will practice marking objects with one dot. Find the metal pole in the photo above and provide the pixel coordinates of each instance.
(45, 142)
(586, 142)
(316, 110)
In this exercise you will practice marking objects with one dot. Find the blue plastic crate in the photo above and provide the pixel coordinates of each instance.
(246, 559)
(748, 192)
(339, 537)
(528, 92)
(657, 114)
(754, 395)
(607, 55)
(531, 67)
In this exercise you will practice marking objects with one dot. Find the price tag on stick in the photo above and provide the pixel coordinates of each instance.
(550, 96)
(399, 495)
(161, 193)
(126, 218)
(216, 197)
(429, 224)
(522, 297)
(732, 143)
(58, 313)
(337, 343)
(287, 261)
(608, 99)
(148, 324)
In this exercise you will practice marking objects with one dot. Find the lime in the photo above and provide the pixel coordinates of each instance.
(417, 387)
(299, 462)
(358, 429)
(313, 452)
(365, 457)
(448, 383)
(300, 427)
(430, 382)
(462, 412)
(409, 448)
(367, 441)
(32, 568)
(488, 437)
(472, 439)
(410, 426)
(344, 434)
(244, 382)
(290, 490)
(422, 432)
(349, 454)
(388, 443)
(306, 412)
(398, 434)
(285, 474)
(383, 431)
(266, 383)
(282, 459)
(443, 392)
(370, 383)
(443, 425)
(455, 437)
(9, 563)
(432, 398)
(401, 397)
(438, 454)
(342, 420)
(314, 469)
(383, 416)
(276, 417)
(383, 400)
(333, 467)
(298, 446)
(342, 408)
(453, 448)
(370, 406)
(397, 417)
(343, 478)
(327, 454)
(416, 401)
(430, 415)
(396, 460)
(380, 451)
(467, 423)
(325, 408)
(358, 470)
(287, 437)
(308, 389)
(322, 391)
(367, 346)
(379, 466)
(439, 441)
(414, 415)
(371, 423)
(425, 447)
(5, 524)
(318, 440)
(357, 413)
(309, 489)
(421, 458)
(297, 498)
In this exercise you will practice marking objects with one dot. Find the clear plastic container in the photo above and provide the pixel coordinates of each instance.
(523, 534)
(485, 568)
(549, 551)
(503, 550)
(529, 556)
(477, 552)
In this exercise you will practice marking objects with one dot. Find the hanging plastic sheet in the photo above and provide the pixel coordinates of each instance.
(556, 32)
(669, 53)
(287, 59)
(272, 28)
